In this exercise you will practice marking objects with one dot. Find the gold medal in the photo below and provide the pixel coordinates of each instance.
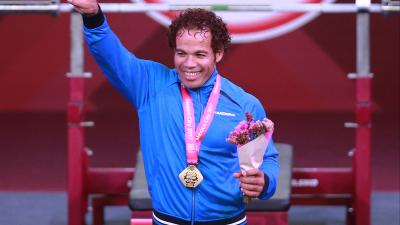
(191, 176)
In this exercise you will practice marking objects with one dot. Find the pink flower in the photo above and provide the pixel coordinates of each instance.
(249, 117)
(242, 127)
(248, 130)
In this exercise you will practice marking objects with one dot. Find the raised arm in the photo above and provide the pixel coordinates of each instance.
(138, 80)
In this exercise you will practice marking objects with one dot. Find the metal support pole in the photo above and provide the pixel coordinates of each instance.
(76, 54)
(362, 160)
(214, 5)
(77, 160)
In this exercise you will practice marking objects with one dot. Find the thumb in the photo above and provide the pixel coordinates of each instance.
(237, 175)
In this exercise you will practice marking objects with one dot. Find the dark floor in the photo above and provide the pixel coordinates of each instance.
(49, 208)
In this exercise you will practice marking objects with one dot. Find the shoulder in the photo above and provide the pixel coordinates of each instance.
(160, 74)
(247, 101)
(157, 67)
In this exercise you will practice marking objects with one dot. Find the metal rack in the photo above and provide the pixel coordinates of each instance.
(53, 6)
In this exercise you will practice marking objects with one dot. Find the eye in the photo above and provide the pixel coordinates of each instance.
(180, 53)
(201, 55)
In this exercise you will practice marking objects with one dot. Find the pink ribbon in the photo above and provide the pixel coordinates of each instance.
(193, 140)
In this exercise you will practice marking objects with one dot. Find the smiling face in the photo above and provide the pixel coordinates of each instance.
(194, 58)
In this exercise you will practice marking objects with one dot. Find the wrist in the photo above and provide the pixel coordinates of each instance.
(92, 21)
(93, 11)
(266, 183)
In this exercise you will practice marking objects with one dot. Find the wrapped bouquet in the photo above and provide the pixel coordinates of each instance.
(252, 138)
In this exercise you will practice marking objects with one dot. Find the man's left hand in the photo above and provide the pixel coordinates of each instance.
(251, 182)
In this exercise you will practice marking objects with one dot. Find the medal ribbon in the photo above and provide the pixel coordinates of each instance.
(192, 139)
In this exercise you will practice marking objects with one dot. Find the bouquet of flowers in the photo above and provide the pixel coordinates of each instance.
(252, 138)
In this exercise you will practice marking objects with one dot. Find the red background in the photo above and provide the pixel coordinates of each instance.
(304, 70)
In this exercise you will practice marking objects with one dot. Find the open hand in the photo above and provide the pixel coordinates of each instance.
(85, 7)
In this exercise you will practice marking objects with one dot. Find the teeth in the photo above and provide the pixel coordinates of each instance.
(191, 73)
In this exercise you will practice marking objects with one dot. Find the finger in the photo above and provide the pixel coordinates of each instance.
(252, 180)
(237, 175)
(251, 187)
(253, 172)
(253, 194)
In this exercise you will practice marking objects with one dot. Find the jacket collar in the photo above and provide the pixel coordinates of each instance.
(211, 80)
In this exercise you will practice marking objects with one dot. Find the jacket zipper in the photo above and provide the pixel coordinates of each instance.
(193, 207)
(201, 104)
(194, 190)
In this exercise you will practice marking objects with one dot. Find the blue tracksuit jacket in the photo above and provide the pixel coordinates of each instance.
(153, 89)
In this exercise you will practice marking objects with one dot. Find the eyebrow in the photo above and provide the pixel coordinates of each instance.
(196, 52)
(202, 51)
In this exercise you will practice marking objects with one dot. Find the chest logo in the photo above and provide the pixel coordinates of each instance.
(225, 114)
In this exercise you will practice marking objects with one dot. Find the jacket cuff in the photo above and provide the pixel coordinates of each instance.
(266, 183)
(93, 21)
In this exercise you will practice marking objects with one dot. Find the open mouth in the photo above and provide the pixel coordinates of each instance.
(191, 75)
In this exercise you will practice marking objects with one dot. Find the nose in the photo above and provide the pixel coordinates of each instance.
(189, 62)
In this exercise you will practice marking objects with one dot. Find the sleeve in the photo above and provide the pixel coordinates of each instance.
(270, 165)
(135, 78)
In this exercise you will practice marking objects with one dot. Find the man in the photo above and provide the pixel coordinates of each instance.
(185, 116)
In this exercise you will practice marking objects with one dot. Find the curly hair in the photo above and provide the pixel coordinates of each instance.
(202, 20)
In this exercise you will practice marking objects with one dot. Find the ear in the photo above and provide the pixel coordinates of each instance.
(219, 55)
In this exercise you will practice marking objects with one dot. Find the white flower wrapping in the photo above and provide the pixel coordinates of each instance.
(251, 138)
(251, 155)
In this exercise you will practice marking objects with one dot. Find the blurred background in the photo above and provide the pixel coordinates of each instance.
(300, 77)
